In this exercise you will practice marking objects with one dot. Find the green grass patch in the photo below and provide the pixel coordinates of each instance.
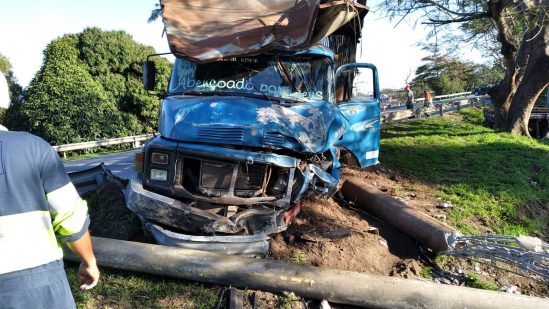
(492, 178)
(475, 281)
(95, 152)
(426, 272)
(286, 301)
(121, 289)
(299, 257)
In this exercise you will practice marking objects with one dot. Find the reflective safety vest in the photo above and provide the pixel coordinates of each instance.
(39, 206)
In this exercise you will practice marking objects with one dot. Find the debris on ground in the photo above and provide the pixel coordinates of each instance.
(407, 268)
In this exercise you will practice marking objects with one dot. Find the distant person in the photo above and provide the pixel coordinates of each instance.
(409, 97)
(427, 98)
(547, 98)
(39, 209)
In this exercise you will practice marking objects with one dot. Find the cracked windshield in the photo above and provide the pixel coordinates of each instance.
(293, 79)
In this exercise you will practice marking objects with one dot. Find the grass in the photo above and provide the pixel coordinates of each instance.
(299, 257)
(492, 178)
(96, 152)
(426, 272)
(121, 289)
(286, 301)
(475, 281)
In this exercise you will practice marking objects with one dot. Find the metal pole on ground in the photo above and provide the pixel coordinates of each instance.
(338, 286)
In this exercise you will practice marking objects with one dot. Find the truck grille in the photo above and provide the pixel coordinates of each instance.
(220, 133)
(215, 176)
(211, 178)
(250, 176)
(278, 140)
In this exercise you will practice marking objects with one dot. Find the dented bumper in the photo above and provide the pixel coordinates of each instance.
(204, 219)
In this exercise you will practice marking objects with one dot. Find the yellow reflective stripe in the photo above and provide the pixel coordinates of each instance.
(63, 199)
(27, 240)
(67, 209)
(72, 221)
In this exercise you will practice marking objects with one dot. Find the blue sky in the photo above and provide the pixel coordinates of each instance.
(27, 26)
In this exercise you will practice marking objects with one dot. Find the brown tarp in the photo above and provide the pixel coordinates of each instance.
(209, 30)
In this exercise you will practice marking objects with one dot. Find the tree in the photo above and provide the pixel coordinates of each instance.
(521, 30)
(15, 91)
(89, 88)
(115, 60)
(447, 74)
(64, 104)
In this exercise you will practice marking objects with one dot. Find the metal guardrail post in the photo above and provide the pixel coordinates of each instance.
(440, 110)
(459, 106)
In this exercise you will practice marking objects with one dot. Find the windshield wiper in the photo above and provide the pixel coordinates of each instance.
(285, 73)
(190, 92)
(260, 95)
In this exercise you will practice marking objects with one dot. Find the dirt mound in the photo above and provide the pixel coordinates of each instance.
(109, 216)
(330, 235)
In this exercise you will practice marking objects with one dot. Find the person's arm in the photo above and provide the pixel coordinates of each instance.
(69, 214)
(88, 273)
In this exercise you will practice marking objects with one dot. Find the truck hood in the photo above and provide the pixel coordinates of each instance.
(247, 122)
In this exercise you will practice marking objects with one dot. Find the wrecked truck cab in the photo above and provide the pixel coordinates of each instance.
(243, 140)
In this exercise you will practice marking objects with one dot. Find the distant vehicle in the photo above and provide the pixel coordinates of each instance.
(480, 90)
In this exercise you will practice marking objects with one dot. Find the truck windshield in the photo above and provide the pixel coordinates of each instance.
(291, 79)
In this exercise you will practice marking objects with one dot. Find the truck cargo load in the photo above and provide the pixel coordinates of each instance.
(211, 30)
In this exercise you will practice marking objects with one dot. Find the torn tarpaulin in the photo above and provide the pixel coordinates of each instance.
(213, 30)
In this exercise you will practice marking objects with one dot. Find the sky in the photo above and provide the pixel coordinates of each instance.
(27, 26)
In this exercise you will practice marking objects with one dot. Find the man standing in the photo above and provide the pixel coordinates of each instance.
(409, 97)
(428, 98)
(39, 208)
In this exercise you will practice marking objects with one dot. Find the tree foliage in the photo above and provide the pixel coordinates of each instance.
(518, 28)
(447, 74)
(15, 90)
(89, 88)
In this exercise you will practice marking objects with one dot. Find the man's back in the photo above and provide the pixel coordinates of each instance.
(39, 207)
(29, 172)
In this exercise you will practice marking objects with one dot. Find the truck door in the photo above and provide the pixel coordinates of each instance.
(358, 100)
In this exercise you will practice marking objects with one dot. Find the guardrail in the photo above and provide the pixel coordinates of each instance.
(439, 98)
(135, 140)
(438, 108)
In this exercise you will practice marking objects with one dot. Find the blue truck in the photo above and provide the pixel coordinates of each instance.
(243, 139)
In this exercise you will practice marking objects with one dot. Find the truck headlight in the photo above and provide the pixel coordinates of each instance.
(161, 175)
(159, 158)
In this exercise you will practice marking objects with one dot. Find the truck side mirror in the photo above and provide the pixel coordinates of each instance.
(149, 75)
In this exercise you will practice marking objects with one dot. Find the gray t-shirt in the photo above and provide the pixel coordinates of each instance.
(29, 169)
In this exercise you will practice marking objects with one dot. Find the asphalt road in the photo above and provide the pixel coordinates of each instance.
(121, 164)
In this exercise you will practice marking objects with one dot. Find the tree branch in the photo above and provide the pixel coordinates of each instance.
(456, 20)
(443, 8)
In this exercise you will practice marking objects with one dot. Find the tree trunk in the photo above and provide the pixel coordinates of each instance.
(527, 74)
(502, 94)
(533, 62)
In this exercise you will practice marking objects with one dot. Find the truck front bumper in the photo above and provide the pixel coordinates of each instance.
(170, 219)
